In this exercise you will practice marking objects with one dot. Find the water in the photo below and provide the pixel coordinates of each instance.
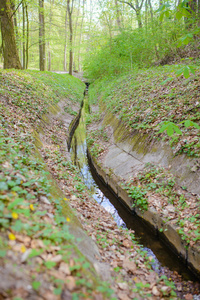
(162, 256)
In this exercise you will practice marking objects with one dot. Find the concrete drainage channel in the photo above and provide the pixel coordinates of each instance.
(103, 193)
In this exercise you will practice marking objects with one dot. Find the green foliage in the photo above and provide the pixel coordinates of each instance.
(170, 128)
(36, 285)
(138, 48)
(137, 193)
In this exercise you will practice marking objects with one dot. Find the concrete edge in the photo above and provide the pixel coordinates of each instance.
(166, 231)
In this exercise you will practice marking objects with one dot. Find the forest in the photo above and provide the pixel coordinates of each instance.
(99, 149)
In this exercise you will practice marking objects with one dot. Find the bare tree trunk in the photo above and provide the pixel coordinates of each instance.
(138, 14)
(42, 36)
(75, 34)
(10, 53)
(70, 4)
(65, 47)
(15, 23)
(118, 14)
(23, 36)
(146, 15)
(151, 10)
(49, 44)
(80, 38)
(27, 35)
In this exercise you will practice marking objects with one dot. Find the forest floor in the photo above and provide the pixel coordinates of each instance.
(38, 259)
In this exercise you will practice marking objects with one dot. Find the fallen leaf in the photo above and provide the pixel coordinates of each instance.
(70, 283)
(64, 268)
(123, 285)
(127, 243)
(155, 291)
(129, 265)
(56, 258)
(188, 297)
(11, 236)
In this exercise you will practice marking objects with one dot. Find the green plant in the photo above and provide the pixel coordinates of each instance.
(137, 194)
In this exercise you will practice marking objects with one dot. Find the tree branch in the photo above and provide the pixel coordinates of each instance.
(16, 9)
(141, 4)
(129, 3)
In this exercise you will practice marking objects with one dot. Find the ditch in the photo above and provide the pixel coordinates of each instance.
(165, 261)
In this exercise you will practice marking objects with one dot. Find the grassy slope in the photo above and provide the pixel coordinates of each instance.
(141, 101)
(35, 242)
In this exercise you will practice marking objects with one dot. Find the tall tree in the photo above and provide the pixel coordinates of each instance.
(10, 53)
(27, 35)
(137, 8)
(70, 6)
(118, 14)
(65, 46)
(42, 36)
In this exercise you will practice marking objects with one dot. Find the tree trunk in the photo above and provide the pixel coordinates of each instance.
(49, 37)
(15, 24)
(42, 36)
(65, 47)
(138, 14)
(27, 35)
(118, 14)
(151, 11)
(80, 38)
(10, 53)
(70, 10)
(75, 34)
(23, 36)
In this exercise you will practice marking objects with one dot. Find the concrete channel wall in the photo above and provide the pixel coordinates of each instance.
(130, 153)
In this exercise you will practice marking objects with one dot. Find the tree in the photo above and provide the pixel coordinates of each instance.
(118, 14)
(70, 6)
(137, 8)
(10, 53)
(42, 36)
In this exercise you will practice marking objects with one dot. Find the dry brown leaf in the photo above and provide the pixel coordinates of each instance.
(129, 265)
(70, 283)
(123, 296)
(57, 258)
(123, 285)
(64, 268)
(155, 291)
(188, 297)
(127, 243)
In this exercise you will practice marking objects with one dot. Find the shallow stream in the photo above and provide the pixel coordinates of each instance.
(162, 255)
